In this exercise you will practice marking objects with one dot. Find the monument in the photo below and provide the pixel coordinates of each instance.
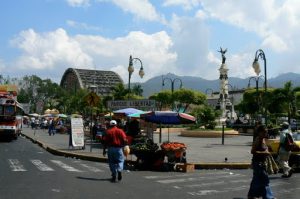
(225, 104)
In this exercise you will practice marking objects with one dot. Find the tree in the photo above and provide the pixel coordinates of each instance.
(137, 90)
(185, 97)
(182, 98)
(119, 92)
(163, 99)
(287, 98)
(205, 116)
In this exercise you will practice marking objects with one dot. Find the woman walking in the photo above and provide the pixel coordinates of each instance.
(259, 186)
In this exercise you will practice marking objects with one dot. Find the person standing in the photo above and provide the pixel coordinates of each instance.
(114, 141)
(259, 186)
(284, 152)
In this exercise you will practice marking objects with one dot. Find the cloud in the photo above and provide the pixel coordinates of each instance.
(276, 22)
(190, 36)
(53, 52)
(83, 26)
(276, 43)
(78, 3)
(46, 52)
(187, 4)
(154, 50)
(142, 9)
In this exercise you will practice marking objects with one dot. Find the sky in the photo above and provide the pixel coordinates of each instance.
(183, 37)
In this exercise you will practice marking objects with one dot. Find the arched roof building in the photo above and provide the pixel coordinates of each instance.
(101, 81)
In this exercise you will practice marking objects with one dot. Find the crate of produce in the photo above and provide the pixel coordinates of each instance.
(184, 167)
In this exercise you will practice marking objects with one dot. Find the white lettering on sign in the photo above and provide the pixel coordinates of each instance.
(138, 104)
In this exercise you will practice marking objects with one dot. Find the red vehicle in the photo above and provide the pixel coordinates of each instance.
(10, 113)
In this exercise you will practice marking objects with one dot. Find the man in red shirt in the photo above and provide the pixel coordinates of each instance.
(114, 141)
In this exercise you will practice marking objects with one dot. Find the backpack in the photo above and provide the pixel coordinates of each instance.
(288, 142)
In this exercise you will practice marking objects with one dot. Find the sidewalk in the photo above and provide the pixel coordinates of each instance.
(205, 153)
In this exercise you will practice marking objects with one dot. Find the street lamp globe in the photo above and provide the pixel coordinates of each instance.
(256, 67)
(141, 72)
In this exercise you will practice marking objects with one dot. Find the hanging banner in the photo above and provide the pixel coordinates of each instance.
(77, 132)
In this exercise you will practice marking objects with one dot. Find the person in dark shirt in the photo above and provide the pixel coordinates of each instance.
(133, 128)
(114, 141)
(259, 186)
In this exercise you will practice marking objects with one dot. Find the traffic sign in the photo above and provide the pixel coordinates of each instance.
(92, 99)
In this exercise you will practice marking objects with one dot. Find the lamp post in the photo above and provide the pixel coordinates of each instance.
(131, 70)
(172, 82)
(212, 92)
(260, 54)
(256, 78)
(172, 85)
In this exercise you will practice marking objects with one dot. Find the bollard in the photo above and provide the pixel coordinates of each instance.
(223, 134)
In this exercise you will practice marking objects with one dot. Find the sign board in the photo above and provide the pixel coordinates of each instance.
(77, 132)
(92, 99)
(145, 104)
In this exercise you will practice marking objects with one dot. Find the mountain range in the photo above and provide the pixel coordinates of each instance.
(154, 85)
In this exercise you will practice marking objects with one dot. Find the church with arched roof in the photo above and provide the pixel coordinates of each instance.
(99, 81)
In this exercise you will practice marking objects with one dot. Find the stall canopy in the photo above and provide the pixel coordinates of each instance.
(128, 111)
(168, 117)
(136, 115)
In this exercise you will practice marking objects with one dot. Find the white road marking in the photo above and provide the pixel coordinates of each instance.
(91, 168)
(41, 166)
(167, 181)
(185, 175)
(65, 166)
(15, 165)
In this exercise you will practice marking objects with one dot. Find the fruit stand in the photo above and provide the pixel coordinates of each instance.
(150, 157)
(174, 151)
(146, 152)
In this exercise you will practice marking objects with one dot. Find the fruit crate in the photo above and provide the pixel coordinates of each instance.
(184, 167)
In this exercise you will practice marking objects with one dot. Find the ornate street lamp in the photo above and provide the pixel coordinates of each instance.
(172, 85)
(172, 82)
(212, 92)
(260, 54)
(131, 70)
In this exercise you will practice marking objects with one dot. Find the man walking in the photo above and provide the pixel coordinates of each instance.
(114, 141)
(284, 152)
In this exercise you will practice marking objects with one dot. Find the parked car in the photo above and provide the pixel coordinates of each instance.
(294, 161)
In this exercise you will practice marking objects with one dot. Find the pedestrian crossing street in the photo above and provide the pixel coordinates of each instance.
(16, 165)
(217, 183)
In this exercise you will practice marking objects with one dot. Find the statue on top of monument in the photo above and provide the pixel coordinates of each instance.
(223, 54)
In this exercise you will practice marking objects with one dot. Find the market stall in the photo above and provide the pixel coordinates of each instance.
(169, 154)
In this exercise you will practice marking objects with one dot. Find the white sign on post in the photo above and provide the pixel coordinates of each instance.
(77, 132)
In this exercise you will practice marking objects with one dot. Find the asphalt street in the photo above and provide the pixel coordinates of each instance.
(29, 171)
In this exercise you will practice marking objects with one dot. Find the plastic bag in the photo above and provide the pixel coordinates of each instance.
(126, 150)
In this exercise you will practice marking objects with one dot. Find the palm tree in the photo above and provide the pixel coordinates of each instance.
(137, 90)
(119, 92)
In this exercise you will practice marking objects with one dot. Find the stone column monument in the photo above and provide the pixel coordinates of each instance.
(224, 102)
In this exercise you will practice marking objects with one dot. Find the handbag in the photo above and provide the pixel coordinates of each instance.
(271, 165)
(288, 142)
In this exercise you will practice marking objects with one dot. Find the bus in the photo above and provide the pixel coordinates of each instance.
(11, 113)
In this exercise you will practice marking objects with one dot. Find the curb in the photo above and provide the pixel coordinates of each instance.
(201, 165)
(217, 165)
